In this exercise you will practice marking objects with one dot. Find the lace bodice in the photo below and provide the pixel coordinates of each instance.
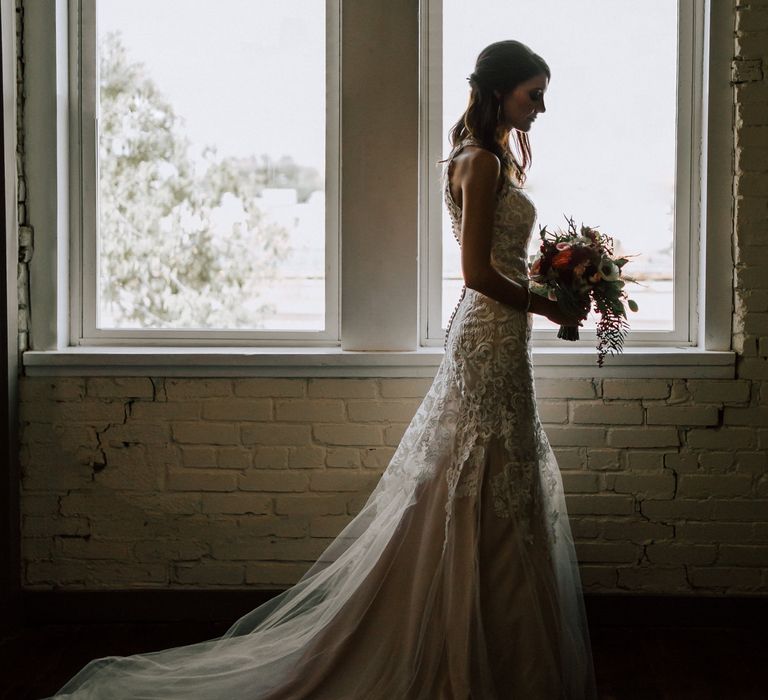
(512, 226)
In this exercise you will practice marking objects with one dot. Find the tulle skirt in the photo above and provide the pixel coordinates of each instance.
(428, 594)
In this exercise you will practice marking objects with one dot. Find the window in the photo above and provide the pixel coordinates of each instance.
(616, 148)
(381, 289)
(208, 181)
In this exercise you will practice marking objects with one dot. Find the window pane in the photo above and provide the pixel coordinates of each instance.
(604, 152)
(211, 164)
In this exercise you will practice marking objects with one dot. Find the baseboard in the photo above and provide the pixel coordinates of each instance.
(217, 605)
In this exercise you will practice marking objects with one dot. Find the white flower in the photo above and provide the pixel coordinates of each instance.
(609, 270)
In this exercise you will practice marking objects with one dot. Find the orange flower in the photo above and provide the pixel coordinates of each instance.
(563, 259)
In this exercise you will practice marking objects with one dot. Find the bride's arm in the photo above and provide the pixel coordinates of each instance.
(477, 175)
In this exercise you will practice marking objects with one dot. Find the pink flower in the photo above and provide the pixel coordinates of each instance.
(563, 246)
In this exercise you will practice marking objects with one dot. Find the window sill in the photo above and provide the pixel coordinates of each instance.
(549, 362)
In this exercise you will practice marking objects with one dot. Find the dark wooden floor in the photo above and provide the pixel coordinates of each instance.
(647, 663)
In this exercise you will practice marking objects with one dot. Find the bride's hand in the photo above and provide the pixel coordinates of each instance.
(552, 311)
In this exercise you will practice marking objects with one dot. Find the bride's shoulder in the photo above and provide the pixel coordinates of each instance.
(475, 159)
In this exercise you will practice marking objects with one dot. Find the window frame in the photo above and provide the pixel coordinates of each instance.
(380, 296)
(83, 185)
(690, 119)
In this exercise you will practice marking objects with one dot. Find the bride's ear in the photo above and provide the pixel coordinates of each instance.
(497, 94)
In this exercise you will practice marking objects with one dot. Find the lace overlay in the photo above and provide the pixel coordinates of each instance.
(488, 361)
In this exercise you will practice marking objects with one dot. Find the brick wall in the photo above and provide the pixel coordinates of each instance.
(155, 482)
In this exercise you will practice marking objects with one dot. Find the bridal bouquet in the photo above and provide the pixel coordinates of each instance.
(578, 269)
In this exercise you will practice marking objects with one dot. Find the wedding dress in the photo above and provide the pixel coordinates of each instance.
(458, 577)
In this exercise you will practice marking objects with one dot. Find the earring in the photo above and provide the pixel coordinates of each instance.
(498, 114)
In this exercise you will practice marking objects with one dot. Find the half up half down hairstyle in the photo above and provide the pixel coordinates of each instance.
(500, 67)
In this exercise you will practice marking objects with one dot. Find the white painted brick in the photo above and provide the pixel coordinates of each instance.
(275, 434)
(46, 526)
(192, 456)
(703, 532)
(234, 457)
(210, 573)
(198, 388)
(139, 432)
(639, 531)
(310, 410)
(576, 437)
(604, 459)
(271, 526)
(382, 410)
(585, 528)
(743, 555)
(672, 553)
(169, 550)
(328, 525)
(393, 434)
(82, 548)
(603, 552)
(85, 411)
(48, 478)
(307, 549)
(120, 387)
(342, 480)
(720, 438)
(607, 413)
(274, 573)
(717, 485)
(682, 415)
(43, 504)
(200, 480)
(232, 409)
(205, 433)
(740, 510)
(127, 470)
(270, 457)
(731, 578)
(552, 411)
(343, 457)
(682, 509)
(635, 389)
(58, 389)
(580, 482)
(644, 460)
(237, 503)
(570, 457)
(415, 388)
(643, 437)
(348, 434)
(565, 389)
(716, 461)
(342, 388)
(377, 457)
(667, 579)
(653, 485)
(306, 457)
(283, 480)
(598, 577)
(269, 387)
(682, 462)
(600, 504)
(165, 410)
(311, 504)
(755, 415)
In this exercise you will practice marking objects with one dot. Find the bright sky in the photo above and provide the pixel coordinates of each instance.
(247, 76)
(604, 150)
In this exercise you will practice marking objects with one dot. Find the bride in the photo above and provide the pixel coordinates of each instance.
(458, 578)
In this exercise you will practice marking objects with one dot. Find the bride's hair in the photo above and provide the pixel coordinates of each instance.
(501, 67)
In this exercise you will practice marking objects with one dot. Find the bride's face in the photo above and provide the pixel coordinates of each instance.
(522, 105)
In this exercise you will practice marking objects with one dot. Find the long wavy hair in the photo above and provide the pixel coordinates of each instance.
(500, 67)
